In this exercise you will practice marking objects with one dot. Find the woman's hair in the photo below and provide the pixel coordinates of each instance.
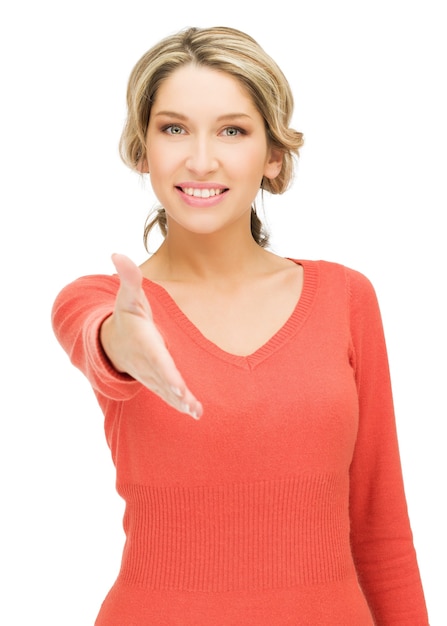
(237, 54)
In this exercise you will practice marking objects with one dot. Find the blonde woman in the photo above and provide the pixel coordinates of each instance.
(246, 396)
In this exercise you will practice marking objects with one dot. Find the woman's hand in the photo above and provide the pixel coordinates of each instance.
(133, 344)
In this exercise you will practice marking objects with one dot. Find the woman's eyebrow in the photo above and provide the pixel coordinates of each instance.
(232, 116)
(171, 114)
(180, 116)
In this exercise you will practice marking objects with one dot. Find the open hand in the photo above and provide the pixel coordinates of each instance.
(134, 345)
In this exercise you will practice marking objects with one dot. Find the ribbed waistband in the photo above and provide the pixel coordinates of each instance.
(244, 536)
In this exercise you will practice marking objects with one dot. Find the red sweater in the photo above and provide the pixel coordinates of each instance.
(285, 503)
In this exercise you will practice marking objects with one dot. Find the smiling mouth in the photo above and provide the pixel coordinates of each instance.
(202, 193)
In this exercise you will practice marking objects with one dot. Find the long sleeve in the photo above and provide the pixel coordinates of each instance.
(77, 315)
(381, 536)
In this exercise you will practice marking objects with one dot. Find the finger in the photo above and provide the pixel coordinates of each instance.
(178, 396)
(176, 391)
(186, 402)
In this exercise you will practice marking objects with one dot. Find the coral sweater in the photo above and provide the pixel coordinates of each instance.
(285, 503)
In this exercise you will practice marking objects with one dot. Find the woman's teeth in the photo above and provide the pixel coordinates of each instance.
(201, 193)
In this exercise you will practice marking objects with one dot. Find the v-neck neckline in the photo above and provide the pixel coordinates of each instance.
(278, 339)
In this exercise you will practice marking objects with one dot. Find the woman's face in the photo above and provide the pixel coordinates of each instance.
(206, 150)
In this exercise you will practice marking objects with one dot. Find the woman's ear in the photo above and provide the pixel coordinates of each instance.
(274, 163)
(142, 166)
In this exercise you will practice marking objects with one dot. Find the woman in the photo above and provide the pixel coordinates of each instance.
(282, 501)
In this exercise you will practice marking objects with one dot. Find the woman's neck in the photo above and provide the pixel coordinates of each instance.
(201, 258)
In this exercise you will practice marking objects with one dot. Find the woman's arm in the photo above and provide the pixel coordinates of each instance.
(381, 535)
(105, 325)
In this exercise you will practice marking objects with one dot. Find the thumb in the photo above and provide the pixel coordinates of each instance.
(129, 273)
(130, 295)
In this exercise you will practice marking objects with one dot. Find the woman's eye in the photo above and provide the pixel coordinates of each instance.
(173, 129)
(232, 131)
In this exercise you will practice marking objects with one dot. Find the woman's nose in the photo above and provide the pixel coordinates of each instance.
(202, 158)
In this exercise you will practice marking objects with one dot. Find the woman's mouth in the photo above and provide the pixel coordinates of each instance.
(198, 192)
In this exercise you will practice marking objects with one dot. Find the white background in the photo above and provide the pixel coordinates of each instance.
(369, 80)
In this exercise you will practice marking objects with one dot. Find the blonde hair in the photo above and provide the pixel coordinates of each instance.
(227, 50)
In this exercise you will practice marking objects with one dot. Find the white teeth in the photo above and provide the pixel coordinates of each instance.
(201, 193)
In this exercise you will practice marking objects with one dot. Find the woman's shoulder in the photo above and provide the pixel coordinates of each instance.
(91, 288)
(334, 269)
(339, 280)
(103, 282)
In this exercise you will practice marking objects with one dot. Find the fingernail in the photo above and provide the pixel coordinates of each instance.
(187, 409)
(194, 415)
